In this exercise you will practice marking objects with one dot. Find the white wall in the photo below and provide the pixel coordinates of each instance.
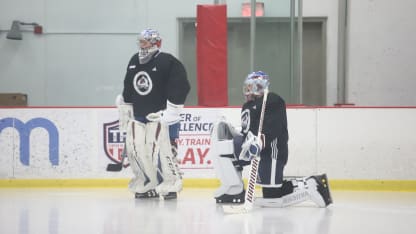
(81, 57)
(346, 143)
(382, 53)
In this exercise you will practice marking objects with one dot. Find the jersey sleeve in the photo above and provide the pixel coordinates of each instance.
(275, 120)
(128, 89)
(178, 85)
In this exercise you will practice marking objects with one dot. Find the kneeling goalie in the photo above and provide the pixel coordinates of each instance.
(232, 149)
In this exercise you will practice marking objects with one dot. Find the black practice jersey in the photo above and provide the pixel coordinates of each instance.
(274, 123)
(148, 86)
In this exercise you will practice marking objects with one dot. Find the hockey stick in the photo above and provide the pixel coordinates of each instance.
(125, 111)
(251, 184)
(118, 166)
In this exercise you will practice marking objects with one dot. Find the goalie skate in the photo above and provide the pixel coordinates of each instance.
(170, 195)
(227, 198)
(322, 194)
(149, 194)
(168, 188)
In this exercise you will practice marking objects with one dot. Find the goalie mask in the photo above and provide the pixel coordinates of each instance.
(149, 43)
(255, 84)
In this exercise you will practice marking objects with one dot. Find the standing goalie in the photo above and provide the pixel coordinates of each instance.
(232, 149)
(155, 87)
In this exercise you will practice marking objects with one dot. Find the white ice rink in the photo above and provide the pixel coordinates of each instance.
(114, 210)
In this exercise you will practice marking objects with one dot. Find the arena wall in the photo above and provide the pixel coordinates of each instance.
(73, 146)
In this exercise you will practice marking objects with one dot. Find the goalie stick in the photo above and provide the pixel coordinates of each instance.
(118, 166)
(251, 184)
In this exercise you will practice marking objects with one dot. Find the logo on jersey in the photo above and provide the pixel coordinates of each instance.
(113, 141)
(142, 83)
(245, 120)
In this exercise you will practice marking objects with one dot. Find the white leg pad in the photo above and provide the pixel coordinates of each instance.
(172, 179)
(225, 147)
(302, 192)
(314, 195)
(141, 161)
(229, 176)
(296, 197)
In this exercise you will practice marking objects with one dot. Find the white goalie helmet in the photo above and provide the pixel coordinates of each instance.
(255, 84)
(149, 43)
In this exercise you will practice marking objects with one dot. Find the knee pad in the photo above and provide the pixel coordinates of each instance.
(222, 139)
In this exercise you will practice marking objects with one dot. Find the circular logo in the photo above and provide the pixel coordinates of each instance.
(142, 83)
(245, 120)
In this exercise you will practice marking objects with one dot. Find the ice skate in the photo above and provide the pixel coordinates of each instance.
(149, 194)
(170, 196)
(169, 189)
(319, 190)
(227, 198)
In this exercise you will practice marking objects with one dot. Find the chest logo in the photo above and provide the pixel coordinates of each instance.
(245, 120)
(142, 83)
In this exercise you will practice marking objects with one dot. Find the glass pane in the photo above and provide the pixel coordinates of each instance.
(273, 50)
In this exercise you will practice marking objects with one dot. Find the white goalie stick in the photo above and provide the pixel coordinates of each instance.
(251, 184)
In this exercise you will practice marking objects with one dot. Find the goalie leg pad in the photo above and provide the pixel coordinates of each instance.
(169, 168)
(140, 160)
(290, 193)
(314, 188)
(319, 191)
(226, 165)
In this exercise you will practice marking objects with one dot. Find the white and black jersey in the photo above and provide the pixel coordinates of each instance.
(148, 86)
(275, 153)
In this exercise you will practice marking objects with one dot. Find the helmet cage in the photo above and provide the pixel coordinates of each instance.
(255, 83)
(153, 37)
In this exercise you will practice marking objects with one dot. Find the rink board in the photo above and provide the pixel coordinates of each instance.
(77, 143)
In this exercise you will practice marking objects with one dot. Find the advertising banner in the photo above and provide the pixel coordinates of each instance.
(81, 142)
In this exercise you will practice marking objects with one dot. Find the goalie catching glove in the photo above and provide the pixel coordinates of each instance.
(169, 116)
(251, 147)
